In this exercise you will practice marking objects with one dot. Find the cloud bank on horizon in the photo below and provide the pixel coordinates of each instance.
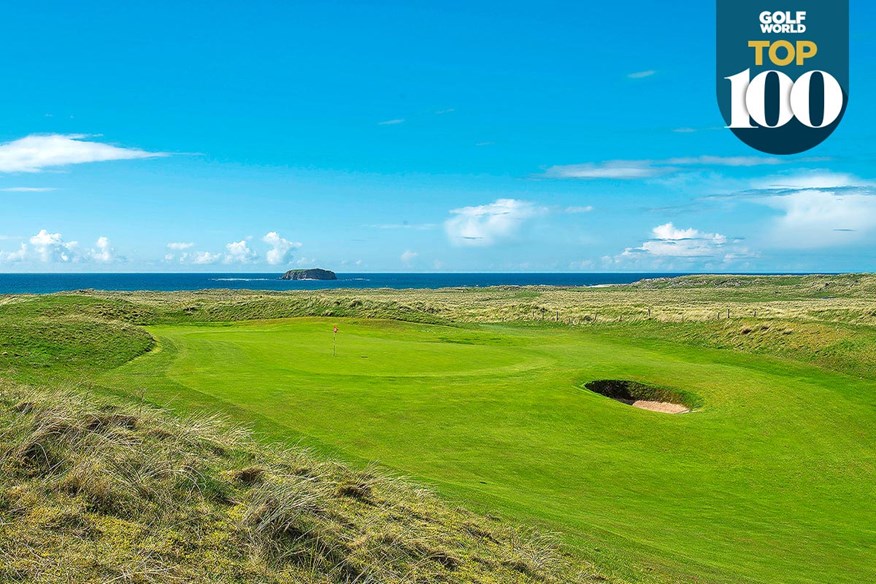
(389, 148)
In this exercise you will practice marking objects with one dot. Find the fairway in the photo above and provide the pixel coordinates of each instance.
(768, 481)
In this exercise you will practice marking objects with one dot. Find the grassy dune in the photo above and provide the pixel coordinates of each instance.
(478, 393)
(96, 491)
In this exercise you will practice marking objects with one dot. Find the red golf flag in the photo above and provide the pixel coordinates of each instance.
(336, 330)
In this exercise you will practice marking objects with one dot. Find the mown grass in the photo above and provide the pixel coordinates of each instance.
(477, 392)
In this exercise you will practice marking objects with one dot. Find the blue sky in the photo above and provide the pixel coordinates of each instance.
(407, 136)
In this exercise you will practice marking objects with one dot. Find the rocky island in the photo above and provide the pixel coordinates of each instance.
(312, 274)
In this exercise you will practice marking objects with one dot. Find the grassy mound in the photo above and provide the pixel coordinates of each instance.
(94, 491)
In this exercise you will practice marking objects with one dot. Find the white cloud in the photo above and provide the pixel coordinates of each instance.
(14, 256)
(408, 256)
(281, 249)
(236, 252)
(27, 190)
(486, 225)
(642, 74)
(737, 161)
(183, 248)
(817, 208)
(37, 152)
(641, 169)
(669, 241)
(239, 252)
(103, 252)
(394, 122)
(51, 248)
(614, 169)
(202, 258)
(669, 231)
(817, 218)
(578, 210)
(811, 180)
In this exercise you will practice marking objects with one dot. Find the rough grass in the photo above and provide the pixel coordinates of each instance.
(97, 491)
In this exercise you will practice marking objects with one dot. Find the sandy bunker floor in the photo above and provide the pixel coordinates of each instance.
(664, 407)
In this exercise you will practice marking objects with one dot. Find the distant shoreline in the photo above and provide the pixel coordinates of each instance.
(162, 282)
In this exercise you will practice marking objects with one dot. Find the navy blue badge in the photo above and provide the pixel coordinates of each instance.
(783, 71)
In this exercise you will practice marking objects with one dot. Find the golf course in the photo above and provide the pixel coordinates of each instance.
(769, 478)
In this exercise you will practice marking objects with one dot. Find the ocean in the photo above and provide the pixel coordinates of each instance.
(51, 283)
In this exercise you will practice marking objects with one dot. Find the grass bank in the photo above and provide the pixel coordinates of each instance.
(93, 490)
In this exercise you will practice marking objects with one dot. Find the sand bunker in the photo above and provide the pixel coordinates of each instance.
(664, 407)
(639, 395)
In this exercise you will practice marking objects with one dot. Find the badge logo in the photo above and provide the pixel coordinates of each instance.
(783, 71)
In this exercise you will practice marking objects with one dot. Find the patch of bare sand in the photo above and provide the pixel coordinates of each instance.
(664, 407)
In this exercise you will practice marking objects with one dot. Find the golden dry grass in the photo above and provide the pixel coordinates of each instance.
(95, 491)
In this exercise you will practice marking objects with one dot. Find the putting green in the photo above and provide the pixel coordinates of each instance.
(770, 481)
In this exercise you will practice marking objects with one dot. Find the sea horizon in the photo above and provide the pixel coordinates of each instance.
(49, 283)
